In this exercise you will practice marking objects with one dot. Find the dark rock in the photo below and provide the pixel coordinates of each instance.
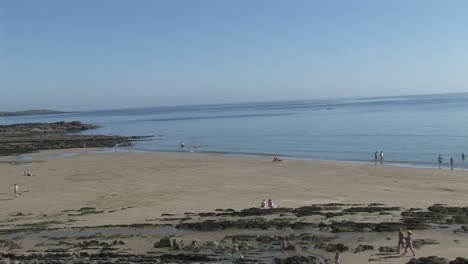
(362, 248)
(459, 260)
(448, 210)
(389, 227)
(290, 247)
(177, 245)
(188, 258)
(164, 242)
(428, 260)
(23, 138)
(308, 210)
(332, 247)
(211, 244)
(348, 226)
(371, 209)
(241, 237)
(297, 260)
(261, 223)
(313, 238)
(265, 239)
(386, 249)
(87, 244)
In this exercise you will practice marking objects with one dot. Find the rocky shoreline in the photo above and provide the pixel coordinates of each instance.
(29, 137)
(208, 237)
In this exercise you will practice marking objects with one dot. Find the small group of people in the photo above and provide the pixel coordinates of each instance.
(276, 158)
(195, 146)
(405, 242)
(270, 204)
(440, 160)
(378, 155)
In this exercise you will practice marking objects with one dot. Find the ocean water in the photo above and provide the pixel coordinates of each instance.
(411, 130)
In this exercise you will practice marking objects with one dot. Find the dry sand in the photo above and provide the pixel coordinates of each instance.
(148, 185)
(165, 183)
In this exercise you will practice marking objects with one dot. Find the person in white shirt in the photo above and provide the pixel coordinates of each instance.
(16, 191)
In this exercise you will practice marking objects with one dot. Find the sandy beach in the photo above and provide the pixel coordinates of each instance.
(131, 188)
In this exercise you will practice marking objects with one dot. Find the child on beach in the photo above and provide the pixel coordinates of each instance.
(409, 243)
(401, 240)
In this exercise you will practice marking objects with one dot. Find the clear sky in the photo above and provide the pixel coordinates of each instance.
(100, 54)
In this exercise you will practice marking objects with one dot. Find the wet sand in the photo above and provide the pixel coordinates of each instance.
(129, 188)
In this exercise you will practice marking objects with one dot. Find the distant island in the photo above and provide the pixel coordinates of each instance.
(31, 112)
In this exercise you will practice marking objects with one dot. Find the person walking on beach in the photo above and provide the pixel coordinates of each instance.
(284, 244)
(235, 248)
(463, 157)
(401, 240)
(439, 160)
(451, 163)
(381, 155)
(409, 243)
(376, 155)
(337, 257)
(16, 191)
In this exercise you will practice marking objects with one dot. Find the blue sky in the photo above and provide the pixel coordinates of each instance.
(87, 54)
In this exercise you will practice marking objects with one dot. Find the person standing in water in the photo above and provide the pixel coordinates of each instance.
(376, 155)
(439, 160)
(451, 163)
(463, 157)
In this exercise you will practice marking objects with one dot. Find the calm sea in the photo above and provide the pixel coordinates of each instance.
(411, 130)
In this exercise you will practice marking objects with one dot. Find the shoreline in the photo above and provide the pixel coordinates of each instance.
(58, 153)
